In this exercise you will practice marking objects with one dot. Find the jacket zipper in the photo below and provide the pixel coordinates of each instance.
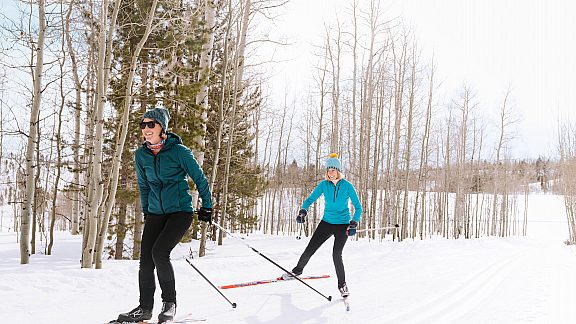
(336, 189)
(156, 166)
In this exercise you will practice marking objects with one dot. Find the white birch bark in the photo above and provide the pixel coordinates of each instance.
(120, 145)
(97, 185)
(202, 96)
(75, 216)
(239, 74)
(31, 169)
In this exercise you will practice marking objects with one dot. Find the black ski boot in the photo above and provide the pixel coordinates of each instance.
(344, 291)
(168, 312)
(138, 314)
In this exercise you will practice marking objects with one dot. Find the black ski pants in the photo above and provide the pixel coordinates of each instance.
(160, 236)
(324, 231)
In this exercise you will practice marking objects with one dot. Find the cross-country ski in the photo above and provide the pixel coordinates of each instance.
(267, 281)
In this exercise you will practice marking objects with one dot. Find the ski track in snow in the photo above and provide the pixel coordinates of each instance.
(487, 280)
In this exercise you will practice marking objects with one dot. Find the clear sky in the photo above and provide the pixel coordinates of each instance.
(528, 46)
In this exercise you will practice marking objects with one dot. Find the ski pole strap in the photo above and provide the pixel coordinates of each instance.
(211, 284)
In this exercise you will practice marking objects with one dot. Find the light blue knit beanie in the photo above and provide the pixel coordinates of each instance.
(333, 163)
(159, 114)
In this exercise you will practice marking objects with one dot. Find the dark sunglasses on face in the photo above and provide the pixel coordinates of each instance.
(150, 124)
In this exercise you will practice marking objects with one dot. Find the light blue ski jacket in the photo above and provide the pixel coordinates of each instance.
(336, 210)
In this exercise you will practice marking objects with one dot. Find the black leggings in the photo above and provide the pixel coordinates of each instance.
(161, 234)
(321, 234)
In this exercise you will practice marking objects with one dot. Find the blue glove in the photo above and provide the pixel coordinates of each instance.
(351, 231)
(301, 218)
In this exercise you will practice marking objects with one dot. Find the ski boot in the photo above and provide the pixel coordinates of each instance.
(138, 314)
(168, 312)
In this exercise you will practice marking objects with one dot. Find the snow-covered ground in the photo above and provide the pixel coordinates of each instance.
(487, 280)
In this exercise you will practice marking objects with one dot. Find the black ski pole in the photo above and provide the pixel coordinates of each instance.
(396, 226)
(271, 261)
(211, 284)
(301, 226)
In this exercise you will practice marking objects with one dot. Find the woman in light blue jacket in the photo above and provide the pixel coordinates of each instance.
(336, 220)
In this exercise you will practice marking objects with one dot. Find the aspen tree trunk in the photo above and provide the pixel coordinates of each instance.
(86, 158)
(97, 185)
(353, 163)
(399, 78)
(138, 216)
(424, 154)
(460, 161)
(202, 96)
(36, 204)
(266, 198)
(443, 205)
(88, 147)
(124, 132)
(334, 56)
(408, 149)
(366, 113)
(279, 173)
(504, 124)
(32, 139)
(218, 144)
(138, 229)
(286, 182)
(237, 85)
(256, 119)
(58, 148)
(379, 129)
(383, 160)
(477, 144)
(387, 167)
(75, 215)
(497, 193)
(305, 185)
(121, 234)
(319, 137)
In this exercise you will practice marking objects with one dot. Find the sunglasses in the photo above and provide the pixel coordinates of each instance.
(150, 124)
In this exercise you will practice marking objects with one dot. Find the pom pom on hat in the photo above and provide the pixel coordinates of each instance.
(159, 114)
(333, 163)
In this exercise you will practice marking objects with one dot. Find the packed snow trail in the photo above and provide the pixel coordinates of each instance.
(486, 280)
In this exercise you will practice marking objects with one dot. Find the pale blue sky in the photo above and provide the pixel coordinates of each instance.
(528, 46)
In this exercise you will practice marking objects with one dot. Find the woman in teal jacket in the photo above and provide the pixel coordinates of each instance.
(336, 221)
(162, 166)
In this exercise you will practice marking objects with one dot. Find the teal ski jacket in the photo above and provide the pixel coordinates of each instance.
(336, 210)
(162, 178)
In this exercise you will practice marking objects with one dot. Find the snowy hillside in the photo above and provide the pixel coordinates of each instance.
(487, 280)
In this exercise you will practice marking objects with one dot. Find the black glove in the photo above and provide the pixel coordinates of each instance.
(301, 218)
(351, 231)
(205, 214)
